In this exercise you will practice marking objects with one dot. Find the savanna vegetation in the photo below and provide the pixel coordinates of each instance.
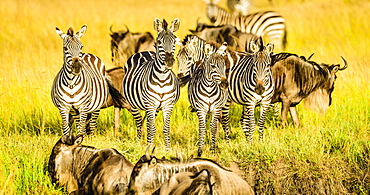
(328, 154)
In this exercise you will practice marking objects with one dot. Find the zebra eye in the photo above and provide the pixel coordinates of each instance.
(65, 48)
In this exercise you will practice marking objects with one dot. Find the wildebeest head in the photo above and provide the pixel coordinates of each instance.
(320, 98)
(165, 43)
(72, 47)
(60, 163)
(125, 43)
(262, 64)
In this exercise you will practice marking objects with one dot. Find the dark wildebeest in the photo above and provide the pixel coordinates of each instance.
(87, 170)
(187, 183)
(115, 75)
(150, 173)
(235, 39)
(125, 43)
(297, 78)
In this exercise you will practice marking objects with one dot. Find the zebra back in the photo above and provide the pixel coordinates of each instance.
(266, 23)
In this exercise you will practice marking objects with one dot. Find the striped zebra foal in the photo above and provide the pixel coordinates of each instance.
(251, 83)
(150, 83)
(267, 23)
(80, 87)
(207, 92)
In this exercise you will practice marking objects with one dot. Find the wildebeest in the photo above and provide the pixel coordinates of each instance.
(150, 173)
(125, 43)
(115, 75)
(297, 78)
(87, 170)
(235, 39)
(187, 183)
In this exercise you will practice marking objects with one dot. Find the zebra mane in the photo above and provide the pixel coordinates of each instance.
(165, 24)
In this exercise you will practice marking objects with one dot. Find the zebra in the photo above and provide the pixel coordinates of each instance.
(240, 7)
(266, 23)
(150, 84)
(80, 88)
(251, 83)
(207, 91)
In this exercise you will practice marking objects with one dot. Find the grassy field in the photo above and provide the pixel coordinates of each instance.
(329, 154)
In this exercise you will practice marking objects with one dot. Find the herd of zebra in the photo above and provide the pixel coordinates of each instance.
(249, 73)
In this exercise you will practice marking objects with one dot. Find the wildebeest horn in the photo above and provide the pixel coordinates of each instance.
(309, 58)
(147, 153)
(128, 30)
(345, 64)
(110, 28)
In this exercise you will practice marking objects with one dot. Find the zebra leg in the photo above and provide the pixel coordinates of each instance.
(166, 127)
(225, 118)
(214, 126)
(151, 125)
(138, 120)
(66, 124)
(81, 128)
(91, 124)
(261, 122)
(248, 123)
(202, 130)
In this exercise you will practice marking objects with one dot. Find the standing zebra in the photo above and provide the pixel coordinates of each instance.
(151, 85)
(207, 92)
(267, 23)
(251, 83)
(240, 7)
(80, 88)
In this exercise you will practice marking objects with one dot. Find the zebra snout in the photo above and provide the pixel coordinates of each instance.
(169, 60)
(259, 87)
(76, 66)
(224, 83)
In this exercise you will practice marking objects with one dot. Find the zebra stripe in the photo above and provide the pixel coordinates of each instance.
(207, 92)
(80, 88)
(267, 23)
(150, 84)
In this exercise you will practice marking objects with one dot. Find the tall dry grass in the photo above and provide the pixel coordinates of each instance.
(328, 154)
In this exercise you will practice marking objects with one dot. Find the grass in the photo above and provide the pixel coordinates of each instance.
(329, 154)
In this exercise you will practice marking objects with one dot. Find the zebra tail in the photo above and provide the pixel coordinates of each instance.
(117, 97)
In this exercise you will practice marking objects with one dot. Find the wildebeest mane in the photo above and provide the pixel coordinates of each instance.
(275, 57)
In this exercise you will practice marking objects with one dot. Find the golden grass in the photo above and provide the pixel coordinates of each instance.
(31, 55)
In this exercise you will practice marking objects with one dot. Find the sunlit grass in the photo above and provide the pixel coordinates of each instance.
(333, 147)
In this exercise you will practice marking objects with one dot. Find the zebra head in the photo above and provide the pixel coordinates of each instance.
(72, 47)
(165, 43)
(212, 10)
(262, 64)
(215, 65)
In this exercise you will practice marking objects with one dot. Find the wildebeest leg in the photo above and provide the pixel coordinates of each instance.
(117, 111)
(294, 115)
(225, 118)
(166, 127)
(202, 130)
(284, 112)
(138, 120)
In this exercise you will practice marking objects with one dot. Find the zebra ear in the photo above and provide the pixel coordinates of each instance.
(82, 31)
(158, 25)
(208, 49)
(78, 140)
(175, 25)
(269, 47)
(254, 47)
(60, 33)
